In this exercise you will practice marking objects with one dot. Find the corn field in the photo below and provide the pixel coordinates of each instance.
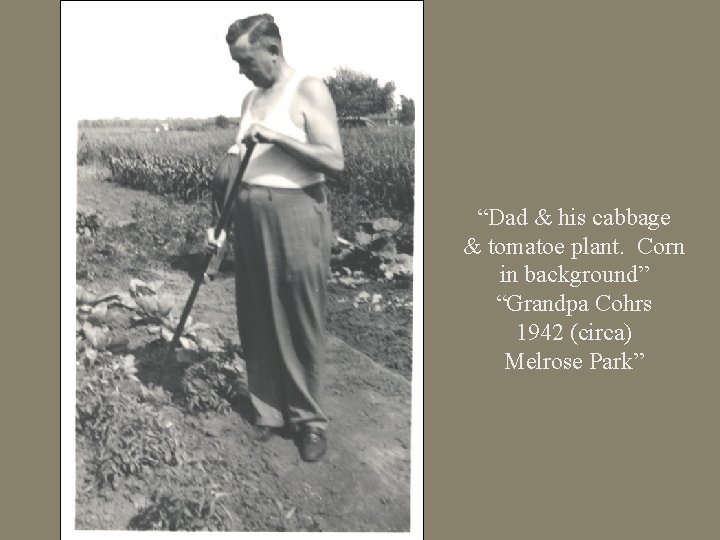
(378, 180)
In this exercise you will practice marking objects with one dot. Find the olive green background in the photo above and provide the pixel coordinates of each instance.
(526, 104)
(30, 219)
(591, 105)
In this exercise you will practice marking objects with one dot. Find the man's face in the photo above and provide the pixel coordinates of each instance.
(255, 62)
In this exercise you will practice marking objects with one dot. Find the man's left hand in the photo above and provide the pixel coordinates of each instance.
(257, 133)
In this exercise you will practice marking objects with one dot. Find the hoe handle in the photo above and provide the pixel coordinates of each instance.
(221, 224)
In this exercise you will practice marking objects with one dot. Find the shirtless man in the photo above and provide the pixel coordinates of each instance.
(282, 233)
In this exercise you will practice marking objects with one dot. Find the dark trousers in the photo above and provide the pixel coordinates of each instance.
(282, 261)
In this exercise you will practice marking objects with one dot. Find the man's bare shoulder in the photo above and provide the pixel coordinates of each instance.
(313, 89)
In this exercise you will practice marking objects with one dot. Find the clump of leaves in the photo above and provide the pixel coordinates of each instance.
(210, 386)
(99, 319)
(87, 223)
(375, 252)
(98, 338)
(130, 436)
(197, 508)
(154, 310)
(134, 443)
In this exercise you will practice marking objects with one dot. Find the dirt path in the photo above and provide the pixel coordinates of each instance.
(363, 484)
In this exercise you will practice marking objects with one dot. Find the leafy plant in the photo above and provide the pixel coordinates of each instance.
(197, 508)
(97, 337)
(210, 386)
(86, 223)
(130, 437)
(154, 310)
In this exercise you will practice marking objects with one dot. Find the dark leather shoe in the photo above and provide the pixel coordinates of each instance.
(313, 444)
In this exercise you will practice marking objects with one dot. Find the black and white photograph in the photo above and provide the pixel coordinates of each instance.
(246, 185)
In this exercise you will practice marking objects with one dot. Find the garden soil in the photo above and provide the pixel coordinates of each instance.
(363, 482)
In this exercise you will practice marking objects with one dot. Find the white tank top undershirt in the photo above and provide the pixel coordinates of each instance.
(269, 164)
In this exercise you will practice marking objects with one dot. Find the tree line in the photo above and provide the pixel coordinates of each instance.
(357, 94)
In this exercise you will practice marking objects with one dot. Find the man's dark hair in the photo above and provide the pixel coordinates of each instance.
(259, 28)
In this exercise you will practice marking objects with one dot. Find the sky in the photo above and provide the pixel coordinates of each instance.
(170, 59)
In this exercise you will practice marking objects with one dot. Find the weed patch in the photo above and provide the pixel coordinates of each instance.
(196, 508)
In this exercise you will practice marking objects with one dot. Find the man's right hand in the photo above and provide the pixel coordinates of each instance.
(211, 242)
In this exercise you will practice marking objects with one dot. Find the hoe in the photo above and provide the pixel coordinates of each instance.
(221, 225)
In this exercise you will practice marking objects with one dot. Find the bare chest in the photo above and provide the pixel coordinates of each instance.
(277, 103)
